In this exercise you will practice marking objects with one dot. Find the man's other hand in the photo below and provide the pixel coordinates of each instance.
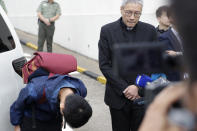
(171, 52)
(17, 128)
(131, 92)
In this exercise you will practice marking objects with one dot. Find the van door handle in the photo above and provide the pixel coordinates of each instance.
(18, 65)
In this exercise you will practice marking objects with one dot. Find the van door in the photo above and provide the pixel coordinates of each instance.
(10, 81)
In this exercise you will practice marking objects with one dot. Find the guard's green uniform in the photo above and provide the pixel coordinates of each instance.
(3, 5)
(48, 10)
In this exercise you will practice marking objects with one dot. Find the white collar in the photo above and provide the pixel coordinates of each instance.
(174, 31)
(176, 34)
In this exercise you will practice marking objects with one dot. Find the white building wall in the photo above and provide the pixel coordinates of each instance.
(79, 26)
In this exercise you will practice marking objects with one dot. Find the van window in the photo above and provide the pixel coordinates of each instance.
(6, 40)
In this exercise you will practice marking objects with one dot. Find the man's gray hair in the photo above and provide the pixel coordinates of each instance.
(124, 2)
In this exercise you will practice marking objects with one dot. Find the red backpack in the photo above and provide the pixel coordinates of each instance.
(52, 62)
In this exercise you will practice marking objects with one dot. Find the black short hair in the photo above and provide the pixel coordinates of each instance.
(161, 9)
(77, 111)
(186, 17)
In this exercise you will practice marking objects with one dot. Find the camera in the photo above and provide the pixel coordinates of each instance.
(131, 60)
(146, 58)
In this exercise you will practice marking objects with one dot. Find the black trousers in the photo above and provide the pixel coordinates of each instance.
(128, 118)
(45, 33)
(53, 125)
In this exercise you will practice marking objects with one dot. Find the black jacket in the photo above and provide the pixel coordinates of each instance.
(112, 33)
(171, 41)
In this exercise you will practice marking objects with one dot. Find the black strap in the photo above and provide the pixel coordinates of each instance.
(33, 115)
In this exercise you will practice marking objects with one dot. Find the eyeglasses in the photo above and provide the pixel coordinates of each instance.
(130, 13)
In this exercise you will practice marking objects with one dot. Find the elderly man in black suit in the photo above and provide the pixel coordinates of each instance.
(120, 93)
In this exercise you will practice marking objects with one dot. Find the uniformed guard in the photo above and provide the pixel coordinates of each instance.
(48, 12)
(3, 5)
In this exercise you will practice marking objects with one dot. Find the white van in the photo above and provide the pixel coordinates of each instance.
(11, 61)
